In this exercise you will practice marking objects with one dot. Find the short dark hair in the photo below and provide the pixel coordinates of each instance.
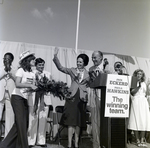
(84, 57)
(10, 54)
(39, 60)
(117, 64)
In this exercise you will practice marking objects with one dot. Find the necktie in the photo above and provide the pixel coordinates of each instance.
(97, 72)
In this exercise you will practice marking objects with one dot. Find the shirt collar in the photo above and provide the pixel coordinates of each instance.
(99, 67)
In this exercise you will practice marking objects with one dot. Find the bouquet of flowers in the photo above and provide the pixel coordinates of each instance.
(57, 89)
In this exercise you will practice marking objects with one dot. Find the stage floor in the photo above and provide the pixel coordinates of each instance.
(134, 146)
(85, 144)
(82, 146)
(51, 146)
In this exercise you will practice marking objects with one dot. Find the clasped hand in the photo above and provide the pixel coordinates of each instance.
(93, 75)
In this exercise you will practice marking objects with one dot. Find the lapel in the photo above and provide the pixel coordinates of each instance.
(74, 73)
(86, 74)
(92, 68)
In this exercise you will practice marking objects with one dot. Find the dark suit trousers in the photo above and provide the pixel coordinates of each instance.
(17, 136)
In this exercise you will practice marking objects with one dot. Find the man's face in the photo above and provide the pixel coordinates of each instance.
(118, 68)
(7, 60)
(40, 66)
(105, 61)
(96, 58)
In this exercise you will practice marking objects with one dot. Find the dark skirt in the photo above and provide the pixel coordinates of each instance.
(74, 113)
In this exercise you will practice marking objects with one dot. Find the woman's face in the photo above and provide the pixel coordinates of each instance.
(32, 62)
(80, 63)
(118, 69)
(139, 75)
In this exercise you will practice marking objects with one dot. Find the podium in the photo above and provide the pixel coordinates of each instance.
(113, 131)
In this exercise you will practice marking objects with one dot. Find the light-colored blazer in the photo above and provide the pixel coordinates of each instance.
(75, 84)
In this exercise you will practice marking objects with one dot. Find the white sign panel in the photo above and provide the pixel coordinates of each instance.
(117, 96)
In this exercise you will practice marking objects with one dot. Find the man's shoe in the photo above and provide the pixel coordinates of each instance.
(45, 145)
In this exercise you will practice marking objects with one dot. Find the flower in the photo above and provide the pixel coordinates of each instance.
(57, 89)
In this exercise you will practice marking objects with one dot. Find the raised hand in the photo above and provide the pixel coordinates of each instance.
(56, 51)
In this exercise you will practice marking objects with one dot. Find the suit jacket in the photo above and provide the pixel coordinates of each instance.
(75, 84)
(93, 68)
(92, 72)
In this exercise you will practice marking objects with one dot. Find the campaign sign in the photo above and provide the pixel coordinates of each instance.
(117, 96)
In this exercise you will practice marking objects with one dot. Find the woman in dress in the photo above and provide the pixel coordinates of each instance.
(139, 119)
(75, 108)
(17, 137)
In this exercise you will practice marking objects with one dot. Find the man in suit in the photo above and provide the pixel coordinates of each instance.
(94, 98)
(97, 58)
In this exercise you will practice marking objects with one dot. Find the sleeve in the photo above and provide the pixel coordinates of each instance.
(59, 66)
(2, 72)
(19, 72)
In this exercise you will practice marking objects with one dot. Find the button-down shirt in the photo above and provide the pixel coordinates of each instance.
(6, 83)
